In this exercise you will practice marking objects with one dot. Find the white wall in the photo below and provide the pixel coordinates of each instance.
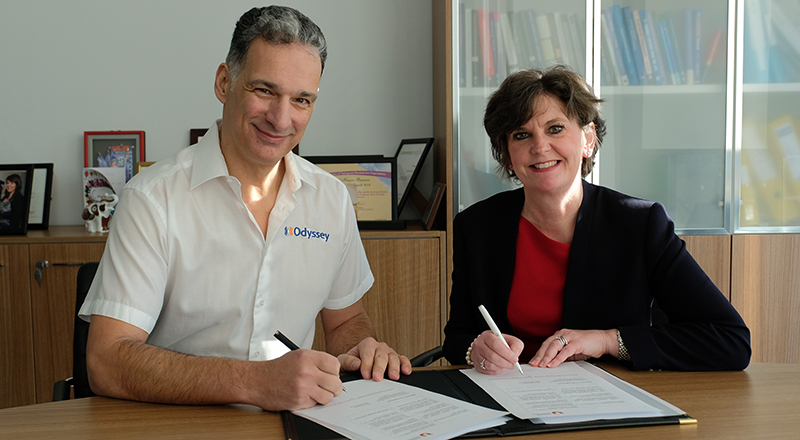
(69, 66)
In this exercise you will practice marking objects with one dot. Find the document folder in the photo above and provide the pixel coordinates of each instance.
(455, 384)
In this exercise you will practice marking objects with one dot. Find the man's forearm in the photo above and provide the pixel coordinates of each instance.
(137, 371)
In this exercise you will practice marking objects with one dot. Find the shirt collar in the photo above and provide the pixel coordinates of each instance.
(209, 163)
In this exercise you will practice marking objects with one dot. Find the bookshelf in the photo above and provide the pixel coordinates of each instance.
(694, 146)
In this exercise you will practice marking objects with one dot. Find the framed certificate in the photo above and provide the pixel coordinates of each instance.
(370, 180)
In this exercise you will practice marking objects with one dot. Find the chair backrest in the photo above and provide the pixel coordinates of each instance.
(79, 374)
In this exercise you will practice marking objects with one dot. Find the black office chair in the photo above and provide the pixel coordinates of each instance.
(80, 379)
(428, 357)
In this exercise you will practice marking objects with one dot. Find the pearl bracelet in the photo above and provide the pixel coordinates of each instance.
(469, 353)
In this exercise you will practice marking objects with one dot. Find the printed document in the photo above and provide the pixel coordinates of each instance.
(391, 410)
(571, 392)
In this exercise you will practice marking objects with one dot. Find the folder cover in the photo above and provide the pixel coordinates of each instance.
(454, 384)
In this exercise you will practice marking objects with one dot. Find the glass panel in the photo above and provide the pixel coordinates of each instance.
(770, 152)
(495, 38)
(663, 75)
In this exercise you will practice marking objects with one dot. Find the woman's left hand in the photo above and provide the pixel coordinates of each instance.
(575, 345)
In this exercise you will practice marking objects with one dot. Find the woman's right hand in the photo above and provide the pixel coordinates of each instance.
(491, 356)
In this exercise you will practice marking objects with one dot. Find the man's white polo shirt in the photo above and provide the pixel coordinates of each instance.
(186, 261)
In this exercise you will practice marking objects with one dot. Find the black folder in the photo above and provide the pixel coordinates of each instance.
(455, 384)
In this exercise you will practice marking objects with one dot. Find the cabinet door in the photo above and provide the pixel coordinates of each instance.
(769, 183)
(53, 305)
(765, 289)
(16, 340)
(405, 302)
(667, 99)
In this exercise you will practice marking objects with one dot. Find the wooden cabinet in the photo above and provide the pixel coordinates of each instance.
(765, 289)
(38, 316)
(16, 334)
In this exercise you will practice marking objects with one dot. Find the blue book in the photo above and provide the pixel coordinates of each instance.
(651, 42)
(636, 49)
(679, 57)
(669, 52)
(613, 57)
(624, 45)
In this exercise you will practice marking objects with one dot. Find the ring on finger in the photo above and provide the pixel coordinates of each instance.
(562, 340)
(483, 365)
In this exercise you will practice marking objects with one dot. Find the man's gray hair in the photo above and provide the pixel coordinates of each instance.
(276, 25)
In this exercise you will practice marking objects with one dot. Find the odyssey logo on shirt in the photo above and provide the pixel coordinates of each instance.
(295, 231)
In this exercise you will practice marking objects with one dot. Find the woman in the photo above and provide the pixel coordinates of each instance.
(12, 203)
(569, 268)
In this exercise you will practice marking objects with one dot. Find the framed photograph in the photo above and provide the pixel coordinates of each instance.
(410, 155)
(370, 182)
(114, 149)
(16, 182)
(39, 212)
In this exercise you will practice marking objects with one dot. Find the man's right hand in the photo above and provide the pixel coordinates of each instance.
(299, 379)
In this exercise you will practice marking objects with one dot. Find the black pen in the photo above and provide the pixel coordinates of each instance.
(286, 341)
(289, 344)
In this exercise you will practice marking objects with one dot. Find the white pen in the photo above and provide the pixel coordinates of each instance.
(496, 331)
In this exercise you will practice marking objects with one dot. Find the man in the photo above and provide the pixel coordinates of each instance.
(215, 249)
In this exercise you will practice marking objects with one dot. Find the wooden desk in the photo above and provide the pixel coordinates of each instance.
(760, 402)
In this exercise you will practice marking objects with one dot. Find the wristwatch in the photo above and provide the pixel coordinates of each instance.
(623, 351)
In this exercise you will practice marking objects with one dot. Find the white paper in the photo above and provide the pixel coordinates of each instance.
(571, 392)
(390, 410)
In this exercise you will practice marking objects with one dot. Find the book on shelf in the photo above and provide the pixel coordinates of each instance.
(607, 55)
(578, 43)
(523, 39)
(546, 40)
(477, 53)
(610, 40)
(698, 34)
(498, 50)
(711, 54)
(669, 53)
(561, 36)
(677, 48)
(487, 55)
(533, 31)
(636, 49)
(640, 35)
(511, 50)
(621, 36)
(652, 48)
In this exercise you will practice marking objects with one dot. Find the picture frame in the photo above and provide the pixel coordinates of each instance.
(429, 215)
(14, 211)
(142, 165)
(372, 186)
(195, 134)
(409, 157)
(114, 149)
(41, 189)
